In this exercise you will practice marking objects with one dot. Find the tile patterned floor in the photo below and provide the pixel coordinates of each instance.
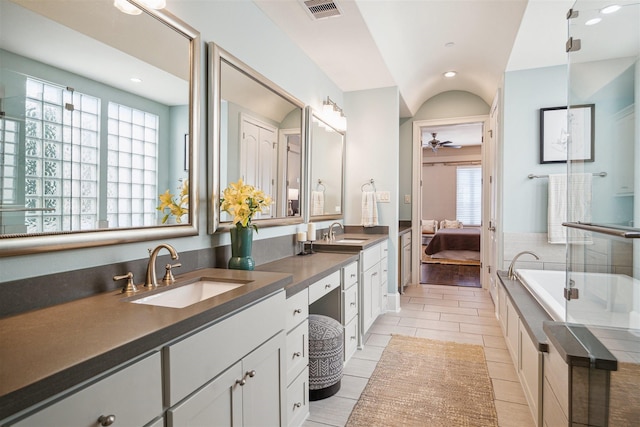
(451, 313)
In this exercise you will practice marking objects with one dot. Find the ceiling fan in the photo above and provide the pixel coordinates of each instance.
(435, 144)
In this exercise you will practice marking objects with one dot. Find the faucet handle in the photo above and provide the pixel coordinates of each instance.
(130, 287)
(168, 275)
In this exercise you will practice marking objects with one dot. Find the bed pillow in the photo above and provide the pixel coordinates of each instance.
(429, 226)
(454, 223)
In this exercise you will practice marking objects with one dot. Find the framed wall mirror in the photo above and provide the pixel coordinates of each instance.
(256, 134)
(96, 123)
(326, 169)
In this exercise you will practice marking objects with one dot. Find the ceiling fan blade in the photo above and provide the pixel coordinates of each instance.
(446, 142)
(452, 146)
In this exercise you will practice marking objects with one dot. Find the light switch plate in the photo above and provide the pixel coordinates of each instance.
(407, 198)
(383, 196)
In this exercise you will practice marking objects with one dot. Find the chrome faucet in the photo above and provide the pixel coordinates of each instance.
(332, 234)
(151, 281)
(511, 273)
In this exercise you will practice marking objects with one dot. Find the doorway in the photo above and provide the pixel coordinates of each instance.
(449, 193)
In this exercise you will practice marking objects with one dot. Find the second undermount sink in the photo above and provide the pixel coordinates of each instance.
(349, 240)
(186, 295)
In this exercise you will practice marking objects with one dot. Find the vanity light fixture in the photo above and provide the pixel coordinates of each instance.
(450, 74)
(610, 9)
(130, 9)
(334, 114)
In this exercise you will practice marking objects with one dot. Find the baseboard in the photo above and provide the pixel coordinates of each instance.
(393, 302)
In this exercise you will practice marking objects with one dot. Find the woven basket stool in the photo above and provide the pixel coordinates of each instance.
(326, 353)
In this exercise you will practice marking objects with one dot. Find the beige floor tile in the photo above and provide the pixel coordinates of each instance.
(461, 318)
(454, 310)
(413, 307)
(431, 315)
(387, 320)
(508, 391)
(377, 340)
(333, 411)
(369, 352)
(497, 355)
(481, 329)
(502, 371)
(351, 387)
(435, 301)
(390, 329)
(359, 367)
(470, 297)
(513, 414)
(477, 304)
(494, 342)
(440, 289)
(429, 324)
(487, 313)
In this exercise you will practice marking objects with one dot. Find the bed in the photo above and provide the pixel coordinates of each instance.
(455, 243)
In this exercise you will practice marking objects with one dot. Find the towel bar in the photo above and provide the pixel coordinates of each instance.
(531, 176)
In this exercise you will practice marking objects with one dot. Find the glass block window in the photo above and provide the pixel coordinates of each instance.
(61, 158)
(132, 194)
(9, 132)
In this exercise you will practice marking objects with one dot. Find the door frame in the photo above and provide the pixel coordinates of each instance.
(416, 187)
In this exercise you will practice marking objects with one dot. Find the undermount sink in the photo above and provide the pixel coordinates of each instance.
(186, 295)
(349, 240)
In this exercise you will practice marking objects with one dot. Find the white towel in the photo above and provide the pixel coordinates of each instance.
(317, 203)
(369, 209)
(574, 196)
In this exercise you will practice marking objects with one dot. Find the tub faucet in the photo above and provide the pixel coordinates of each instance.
(332, 234)
(511, 273)
(151, 281)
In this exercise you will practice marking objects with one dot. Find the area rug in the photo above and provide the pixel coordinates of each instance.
(421, 382)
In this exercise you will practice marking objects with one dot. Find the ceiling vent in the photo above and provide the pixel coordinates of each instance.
(320, 9)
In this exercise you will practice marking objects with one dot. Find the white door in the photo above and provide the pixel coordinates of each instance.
(489, 265)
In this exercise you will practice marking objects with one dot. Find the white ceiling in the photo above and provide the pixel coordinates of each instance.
(383, 43)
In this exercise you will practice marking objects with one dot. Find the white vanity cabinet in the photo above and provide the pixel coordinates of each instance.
(297, 358)
(374, 283)
(233, 372)
(132, 396)
(350, 312)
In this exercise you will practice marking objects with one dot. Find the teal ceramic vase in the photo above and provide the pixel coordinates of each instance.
(241, 242)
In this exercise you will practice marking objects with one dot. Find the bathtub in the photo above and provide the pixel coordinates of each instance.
(610, 300)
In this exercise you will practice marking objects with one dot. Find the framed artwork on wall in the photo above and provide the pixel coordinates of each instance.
(555, 133)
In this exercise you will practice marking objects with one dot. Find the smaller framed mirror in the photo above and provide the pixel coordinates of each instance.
(326, 169)
(255, 134)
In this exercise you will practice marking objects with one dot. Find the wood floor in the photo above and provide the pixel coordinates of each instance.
(450, 274)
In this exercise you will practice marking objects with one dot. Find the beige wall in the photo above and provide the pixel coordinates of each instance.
(439, 180)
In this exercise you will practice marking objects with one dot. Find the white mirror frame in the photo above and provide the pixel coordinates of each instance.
(13, 245)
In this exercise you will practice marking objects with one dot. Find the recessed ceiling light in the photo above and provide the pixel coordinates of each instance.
(136, 79)
(450, 74)
(610, 9)
(593, 21)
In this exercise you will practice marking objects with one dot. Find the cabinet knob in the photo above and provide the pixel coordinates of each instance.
(107, 420)
(353, 304)
(327, 286)
(251, 373)
(353, 275)
(297, 311)
(297, 354)
(297, 405)
(353, 337)
(241, 382)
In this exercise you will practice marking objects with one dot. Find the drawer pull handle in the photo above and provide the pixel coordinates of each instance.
(297, 354)
(107, 420)
(375, 273)
(297, 405)
(353, 337)
(353, 275)
(327, 286)
(353, 304)
(297, 311)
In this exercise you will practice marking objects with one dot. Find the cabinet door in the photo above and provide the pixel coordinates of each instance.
(263, 395)
(219, 403)
(371, 296)
(406, 265)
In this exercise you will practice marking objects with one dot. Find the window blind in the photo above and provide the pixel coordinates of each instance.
(469, 194)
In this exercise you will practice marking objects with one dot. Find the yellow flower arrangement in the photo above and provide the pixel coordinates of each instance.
(242, 201)
(177, 209)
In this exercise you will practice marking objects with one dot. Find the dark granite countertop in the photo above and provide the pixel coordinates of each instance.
(47, 351)
(361, 241)
(528, 309)
(307, 269)
(579, 347)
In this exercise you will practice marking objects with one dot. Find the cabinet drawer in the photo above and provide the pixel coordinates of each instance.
(297, 309)
(384, 271)
(297, 355)
(384, 249)
(195, 360)
(350, 338)
(350, 304)
(370, 257)
(324, 286)
(297, 399)
(133, 396)
(406, 239)
(350, 275)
